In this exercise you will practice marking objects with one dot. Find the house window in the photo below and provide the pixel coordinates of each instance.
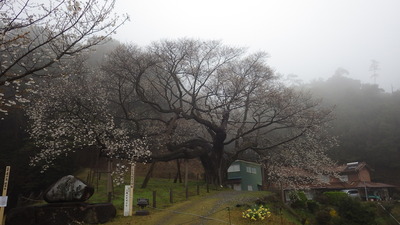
(324, 178)
(234, 168)
(250, 187)
(248, 169)
(344, 178)
(237, 187)
(251, 170)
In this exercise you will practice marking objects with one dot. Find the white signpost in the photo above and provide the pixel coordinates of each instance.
(3, 199)
(127, 199)
(128, 195)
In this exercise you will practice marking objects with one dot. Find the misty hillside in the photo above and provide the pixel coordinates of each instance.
(367, 124)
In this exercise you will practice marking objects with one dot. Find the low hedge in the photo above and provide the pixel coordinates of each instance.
(334, 197)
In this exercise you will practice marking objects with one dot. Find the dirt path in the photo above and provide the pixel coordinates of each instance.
(208, 210)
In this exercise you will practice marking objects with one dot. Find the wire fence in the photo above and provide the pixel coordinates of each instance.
(167, 197)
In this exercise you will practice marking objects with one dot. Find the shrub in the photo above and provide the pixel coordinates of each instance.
(312, 206)
(351, 211)
(298, 199)
(335, 197)
(323, 217)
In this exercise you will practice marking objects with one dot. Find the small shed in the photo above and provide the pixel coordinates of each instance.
(245, 176)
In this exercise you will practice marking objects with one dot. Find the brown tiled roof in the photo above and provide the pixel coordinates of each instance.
(354, 167)
(342, 169)
(350, 185)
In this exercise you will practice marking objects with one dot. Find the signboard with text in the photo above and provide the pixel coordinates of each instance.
(3, 201)
(127, 200)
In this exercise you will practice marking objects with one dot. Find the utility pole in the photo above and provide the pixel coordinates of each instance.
(374, 68)
(366, 192)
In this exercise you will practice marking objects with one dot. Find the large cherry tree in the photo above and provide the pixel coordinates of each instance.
(233, 101)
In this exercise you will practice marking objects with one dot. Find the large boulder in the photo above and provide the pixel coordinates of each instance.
(68, 189)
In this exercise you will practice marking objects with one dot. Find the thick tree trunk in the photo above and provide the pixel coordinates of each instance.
(178, 172)
(186, 172)
(210, 154)
(210, 169)
(148, 175)
(215, 165)
(218, 151)
(216, 171)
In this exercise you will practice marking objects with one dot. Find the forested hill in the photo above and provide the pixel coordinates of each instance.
(367, 124)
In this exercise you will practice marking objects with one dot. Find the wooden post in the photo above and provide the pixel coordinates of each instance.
(198, 189)
(132, 188)
(88, 178)
(186, 172)
(97, 180)
(229, 215)
(187, 192)
(171, 199)
(4, 194)
(154, 199)
(109, 181)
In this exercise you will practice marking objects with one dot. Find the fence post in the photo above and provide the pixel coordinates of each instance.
(97, 180)
(229, 215)
(171, 200)
(155, 199)
(187, 192)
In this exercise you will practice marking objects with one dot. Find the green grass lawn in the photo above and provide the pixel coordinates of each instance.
(161, 186)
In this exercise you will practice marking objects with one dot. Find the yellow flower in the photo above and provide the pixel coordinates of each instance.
(256, 213)
(333, 213)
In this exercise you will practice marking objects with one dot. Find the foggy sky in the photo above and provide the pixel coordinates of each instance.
(310, 39)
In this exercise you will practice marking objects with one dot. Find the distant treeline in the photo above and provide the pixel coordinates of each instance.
(367, 124)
